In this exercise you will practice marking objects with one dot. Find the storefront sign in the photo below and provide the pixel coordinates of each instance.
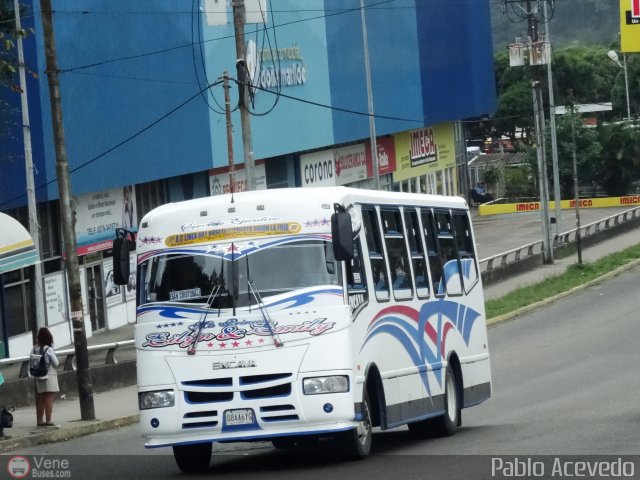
(317, 169)
(423, 147)
(112, 292)
(219, 179)
(275, 68)
(440, 139)
(54, 299)
(386, 156)
(350, 164)
(97, 216)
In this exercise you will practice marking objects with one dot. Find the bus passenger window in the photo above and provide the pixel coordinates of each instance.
(373, 237)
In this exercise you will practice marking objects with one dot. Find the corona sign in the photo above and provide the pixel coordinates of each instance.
(630, 26)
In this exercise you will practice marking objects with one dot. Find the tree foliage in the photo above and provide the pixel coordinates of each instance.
(8, 57)
(619, 165)
(587, 22)
(607, 156)
(588, 152)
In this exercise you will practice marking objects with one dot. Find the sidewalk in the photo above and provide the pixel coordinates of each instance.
(119, 407)
(113, 409)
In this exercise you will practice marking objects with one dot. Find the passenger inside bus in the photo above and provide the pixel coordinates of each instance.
(401, 280)
(381, 283)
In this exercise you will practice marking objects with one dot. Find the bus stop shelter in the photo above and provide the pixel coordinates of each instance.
(17, 250)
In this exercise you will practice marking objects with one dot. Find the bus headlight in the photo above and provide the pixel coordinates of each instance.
(157, 399)
(318, 385)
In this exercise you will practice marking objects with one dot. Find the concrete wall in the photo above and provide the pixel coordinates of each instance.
(21, 391)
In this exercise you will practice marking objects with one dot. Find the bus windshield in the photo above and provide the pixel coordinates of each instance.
(223, 279)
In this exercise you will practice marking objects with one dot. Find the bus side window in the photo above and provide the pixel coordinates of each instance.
(433, 252)
(397, 251)
(356, 279)
(416, 252)
(372, 233)
(466, 250)
(449, 253)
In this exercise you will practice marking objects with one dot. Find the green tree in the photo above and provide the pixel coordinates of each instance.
(588, 152)
(8, 53)
(620, 160)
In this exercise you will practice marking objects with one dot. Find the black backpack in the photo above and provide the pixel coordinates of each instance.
(40, 369)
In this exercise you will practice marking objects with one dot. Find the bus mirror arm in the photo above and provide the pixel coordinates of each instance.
(342, 235)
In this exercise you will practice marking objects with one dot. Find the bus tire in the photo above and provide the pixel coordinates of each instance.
(356, 443)
(193, 458)
(447, 424)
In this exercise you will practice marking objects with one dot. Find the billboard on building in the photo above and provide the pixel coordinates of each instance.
(97, 216)
(317, 169)
(386, 156)
(630, 26)
(220, 184)
(424, 150)
(350, 164)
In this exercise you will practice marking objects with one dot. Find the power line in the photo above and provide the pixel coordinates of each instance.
(178, 47)
(357, 112)
(123, 142)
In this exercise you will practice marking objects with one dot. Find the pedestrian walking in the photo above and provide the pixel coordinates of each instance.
(46, 385)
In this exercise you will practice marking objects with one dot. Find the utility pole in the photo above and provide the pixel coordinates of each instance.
(372, 118)
(239, 17)
(227, 114)
(34, 226)
(547, 249)
(530, 14)
(575, 185)
(83, 375)
(557, 196)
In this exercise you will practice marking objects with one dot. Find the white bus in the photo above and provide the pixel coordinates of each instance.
(294, 314)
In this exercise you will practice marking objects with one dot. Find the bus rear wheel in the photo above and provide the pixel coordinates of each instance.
(445, 425)
(194, 458)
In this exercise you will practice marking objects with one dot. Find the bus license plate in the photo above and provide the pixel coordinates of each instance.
(242, 416)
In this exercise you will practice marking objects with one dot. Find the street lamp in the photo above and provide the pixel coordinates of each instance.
(613, 56)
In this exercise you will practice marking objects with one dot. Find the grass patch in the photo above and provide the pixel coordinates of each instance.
(573, 276)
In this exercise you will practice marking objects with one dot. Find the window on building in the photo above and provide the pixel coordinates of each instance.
(19, 301)
(149, 196)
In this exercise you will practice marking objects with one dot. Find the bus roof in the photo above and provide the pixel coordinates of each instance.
(277, 209)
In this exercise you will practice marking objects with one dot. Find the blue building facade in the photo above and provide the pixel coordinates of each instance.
(143, 111)
(130, 75)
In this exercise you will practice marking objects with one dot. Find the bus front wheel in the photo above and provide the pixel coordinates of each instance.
(194, 458)
(356, 443)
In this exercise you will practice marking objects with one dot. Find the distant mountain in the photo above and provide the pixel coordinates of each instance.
(590, 22)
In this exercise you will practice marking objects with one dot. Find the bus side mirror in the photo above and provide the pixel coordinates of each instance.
(342, 234)
(121, 258)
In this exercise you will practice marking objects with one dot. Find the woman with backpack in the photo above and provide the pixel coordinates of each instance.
(46, 387)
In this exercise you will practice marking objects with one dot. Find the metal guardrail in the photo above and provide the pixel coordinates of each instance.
(535, 248)
(69, 355)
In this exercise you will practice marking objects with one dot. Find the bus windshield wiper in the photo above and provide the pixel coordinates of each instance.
(265, 314)
(212, 297)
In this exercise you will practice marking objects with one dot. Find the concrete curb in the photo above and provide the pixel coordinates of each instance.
(547, 301)
(65, 433)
